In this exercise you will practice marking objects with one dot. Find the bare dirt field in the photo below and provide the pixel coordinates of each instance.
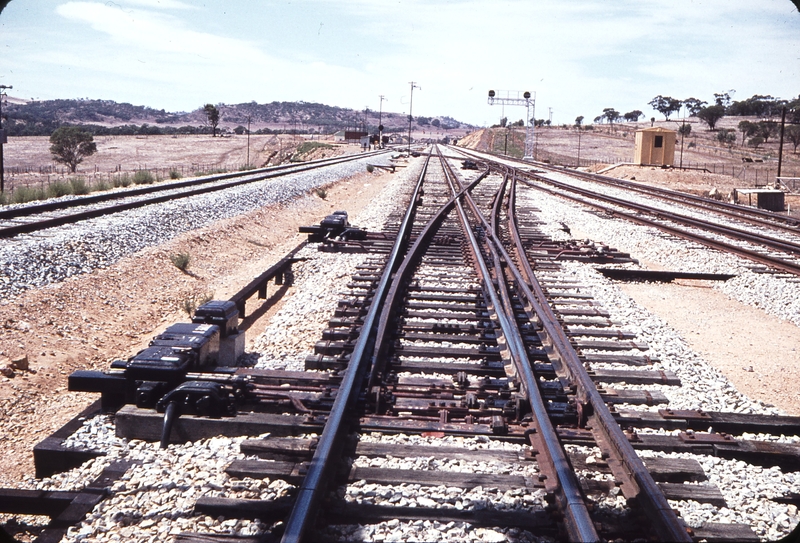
(603, 145)
(28, 160)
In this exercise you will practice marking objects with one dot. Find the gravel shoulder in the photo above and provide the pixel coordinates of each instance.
(88, 320)
(758, 353)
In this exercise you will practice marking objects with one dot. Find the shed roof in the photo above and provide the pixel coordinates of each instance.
(656, 129)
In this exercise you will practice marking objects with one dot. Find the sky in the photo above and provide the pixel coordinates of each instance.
(576, 57)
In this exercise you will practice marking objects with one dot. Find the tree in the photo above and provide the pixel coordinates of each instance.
(685, 129)
(792, 133)
(722, 99)
(436, 123)
(693, 105)
(212, 113)
(611, 114)
(633, 116)
(747, 129)
(665, 105)
(70, 145)
(726, 136)
(755, 141)
(766, 129)
(579, 120)
(711, 114)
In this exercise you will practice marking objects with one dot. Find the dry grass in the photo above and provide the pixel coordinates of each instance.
(166, 157)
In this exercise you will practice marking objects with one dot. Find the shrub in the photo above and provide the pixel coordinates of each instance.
(122, 180)
(143, 177)
(58, 188)
(189, 305)
(79, 186)
(308, 146)
(174, 174)
(24, 195)
(322, 193)
(100, 185)
(181, 261)
(370, 168)
(3, 199)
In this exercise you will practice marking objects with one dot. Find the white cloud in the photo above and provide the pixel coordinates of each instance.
(147, 30)
(578, 56)
(164, 4)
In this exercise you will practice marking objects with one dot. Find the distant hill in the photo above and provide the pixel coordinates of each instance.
(107, 116)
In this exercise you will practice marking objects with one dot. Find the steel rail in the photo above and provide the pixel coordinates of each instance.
(637, 484)
(310, 491)
(758, 216)
(401, 276)
(70, 218)
(780, 264)
(566, 488)
(751, 215)
(172, 185)
(732, 231)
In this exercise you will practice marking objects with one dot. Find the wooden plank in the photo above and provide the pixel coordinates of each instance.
(675, 470)
(716, 532)
(627, 359)
(699, 493)
(84, 502)
(34, 502)
(146, 424)
(302, 448)
(633, 397)
(663, 276)
(727, 422)
(51, 457)
(761, 453)
(349, 513)
(193, 537)
(445, 478)
(293, 473)
(635, 377)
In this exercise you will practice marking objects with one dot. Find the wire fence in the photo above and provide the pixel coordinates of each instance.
(752, 174)
(46, 176)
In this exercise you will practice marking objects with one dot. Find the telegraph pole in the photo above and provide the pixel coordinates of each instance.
(248, 142)
(2, 138)
(380, 126)
(780, 146)
(410, 105)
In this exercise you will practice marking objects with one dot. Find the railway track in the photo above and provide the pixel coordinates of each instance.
(768, 239)
(33, 218)
(465, 366)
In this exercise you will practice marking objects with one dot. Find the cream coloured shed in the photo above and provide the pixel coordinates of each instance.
(655, 146)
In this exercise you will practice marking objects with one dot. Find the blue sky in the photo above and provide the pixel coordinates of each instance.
(577, 56)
